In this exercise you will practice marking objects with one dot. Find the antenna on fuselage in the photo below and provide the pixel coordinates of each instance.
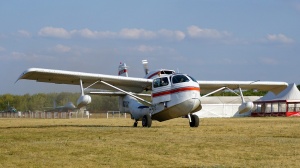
(145, 63)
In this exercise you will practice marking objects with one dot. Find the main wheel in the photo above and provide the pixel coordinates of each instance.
(195, 121)
(146, 121)
(135, 124)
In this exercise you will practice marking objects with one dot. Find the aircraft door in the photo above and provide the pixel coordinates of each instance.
(161, 90)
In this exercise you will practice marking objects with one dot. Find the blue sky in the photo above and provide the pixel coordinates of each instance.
(210, 40)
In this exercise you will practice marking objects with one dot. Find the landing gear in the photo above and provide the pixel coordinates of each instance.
(194, 121)
(146, 121)
(135, 123)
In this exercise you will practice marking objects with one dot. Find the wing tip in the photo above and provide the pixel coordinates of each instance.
(25, 72)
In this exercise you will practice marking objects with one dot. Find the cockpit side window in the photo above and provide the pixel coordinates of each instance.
(164, 81)
(159, 82)
(156, 82)
(179, 79)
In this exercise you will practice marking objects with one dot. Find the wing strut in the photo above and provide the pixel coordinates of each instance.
(244, 107)
(222, 88)
(83, 100)
(241, 94)
(81, 88)
(91, 84)
(130, 94)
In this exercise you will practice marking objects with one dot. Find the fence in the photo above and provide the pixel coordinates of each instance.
(112, 114)
(45, 115)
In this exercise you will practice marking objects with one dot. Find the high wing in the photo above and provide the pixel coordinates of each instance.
(133, 84)
(90, 80)
(275, 87)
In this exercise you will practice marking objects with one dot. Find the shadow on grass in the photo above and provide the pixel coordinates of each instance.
(55, 126)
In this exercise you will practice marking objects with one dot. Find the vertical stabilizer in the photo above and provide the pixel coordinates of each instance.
(123, 69)
(145, 63)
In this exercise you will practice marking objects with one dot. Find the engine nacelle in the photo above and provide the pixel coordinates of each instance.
(83, 101)
(245, 107)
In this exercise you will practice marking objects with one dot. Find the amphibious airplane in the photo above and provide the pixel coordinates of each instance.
(173, 94)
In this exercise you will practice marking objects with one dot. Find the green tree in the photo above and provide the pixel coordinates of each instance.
(250, 92)
(40, 101)
(6, 100)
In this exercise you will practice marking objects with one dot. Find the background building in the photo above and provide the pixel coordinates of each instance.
(223, 106)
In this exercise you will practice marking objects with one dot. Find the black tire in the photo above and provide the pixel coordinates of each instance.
(135, 124)
(195, 121)
(146, 121)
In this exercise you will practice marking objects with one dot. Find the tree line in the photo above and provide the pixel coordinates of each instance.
(44, 101)
(250, 92)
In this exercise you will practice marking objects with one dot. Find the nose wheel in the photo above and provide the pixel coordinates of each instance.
(194, 121)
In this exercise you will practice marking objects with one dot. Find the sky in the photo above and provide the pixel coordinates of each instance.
(207, 39)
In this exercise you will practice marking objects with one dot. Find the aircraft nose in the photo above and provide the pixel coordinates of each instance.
(196, 105)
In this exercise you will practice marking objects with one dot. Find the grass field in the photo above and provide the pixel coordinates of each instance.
(113, 142)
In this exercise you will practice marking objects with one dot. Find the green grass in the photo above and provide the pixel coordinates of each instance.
(113, 142)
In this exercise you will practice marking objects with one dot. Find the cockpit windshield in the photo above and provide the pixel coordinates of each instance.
(179, 79)
(193, 79)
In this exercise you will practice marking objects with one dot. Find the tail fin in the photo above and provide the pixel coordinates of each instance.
(123, 69)
(145, 63)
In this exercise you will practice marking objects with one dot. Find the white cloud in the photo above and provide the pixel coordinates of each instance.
(24, 33)
(137, 34)
(145, 48)
(87, 33)
(54, 32)
(169, 34)
(61, 48)
(197, 32)
(19, 56)
(279, 38)
(131, 34)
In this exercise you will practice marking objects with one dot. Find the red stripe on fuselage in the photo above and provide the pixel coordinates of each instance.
(163, 93)
(155, 73)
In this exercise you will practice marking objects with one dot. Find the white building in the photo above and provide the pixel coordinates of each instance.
(223, 106)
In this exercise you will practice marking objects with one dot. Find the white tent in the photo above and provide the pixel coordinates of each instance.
(223, 106)
(286, 103)
(268, 96)
(290, 93)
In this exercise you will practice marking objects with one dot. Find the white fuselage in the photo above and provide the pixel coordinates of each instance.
(172, 97)
(179, 97)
